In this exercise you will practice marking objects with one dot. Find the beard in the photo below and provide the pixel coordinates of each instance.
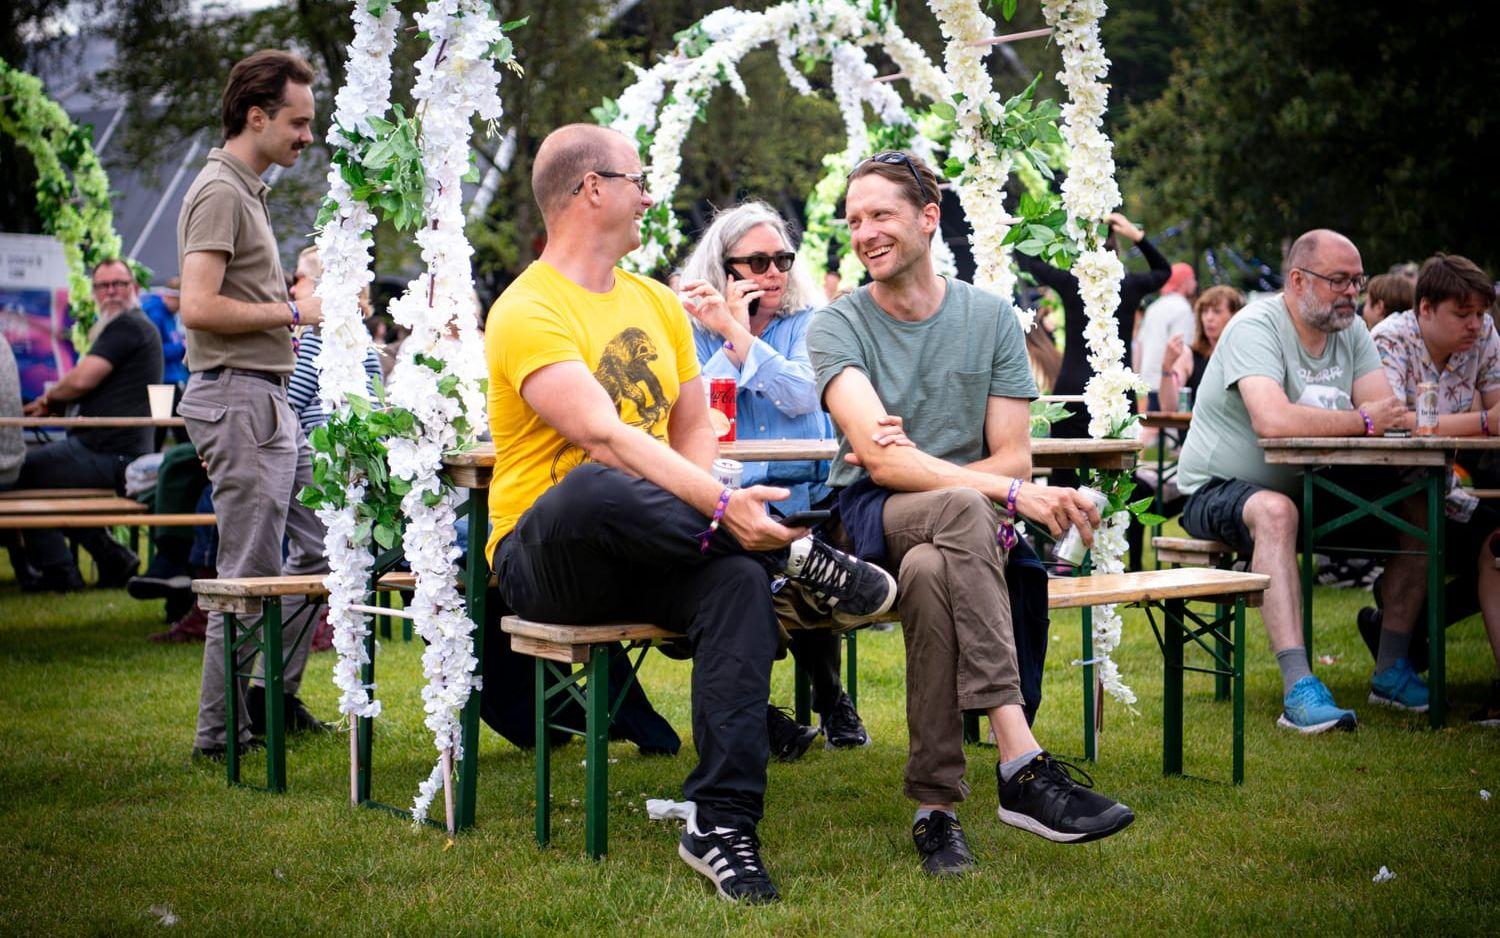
(1329, 317)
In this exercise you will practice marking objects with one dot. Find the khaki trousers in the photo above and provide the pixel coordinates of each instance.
(258, 459)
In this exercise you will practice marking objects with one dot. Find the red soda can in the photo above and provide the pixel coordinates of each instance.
(721, 407)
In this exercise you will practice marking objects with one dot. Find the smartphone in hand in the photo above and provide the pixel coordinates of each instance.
(804, 519)
(755, 303)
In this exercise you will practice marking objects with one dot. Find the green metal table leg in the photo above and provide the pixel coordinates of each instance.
(1175, 634)
(383, 600)
(1222, 646)
(1239, 690)
(596, 773)
(971, 728)
(231, 699)
(851, 667)
(1437, 488)
(801, 693)
(476, 585)
(1090, 732)
(1156, 499)
(273, 664)
(543, 759)
(1308, 484)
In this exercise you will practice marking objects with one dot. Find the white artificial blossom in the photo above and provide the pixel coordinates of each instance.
(1089, 194)
(344, 249)
(456, 81)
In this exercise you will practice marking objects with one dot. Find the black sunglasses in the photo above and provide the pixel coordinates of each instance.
(893, 158)
(760, 263)
(638, 178)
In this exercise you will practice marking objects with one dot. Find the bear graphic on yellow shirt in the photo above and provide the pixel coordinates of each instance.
(624, 371)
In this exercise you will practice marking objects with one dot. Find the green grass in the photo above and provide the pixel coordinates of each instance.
(102, 817)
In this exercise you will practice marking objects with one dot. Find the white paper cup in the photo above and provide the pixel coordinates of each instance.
(160, 396)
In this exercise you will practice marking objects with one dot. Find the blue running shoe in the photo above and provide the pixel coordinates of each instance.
(1398, 686)
(1309, 708)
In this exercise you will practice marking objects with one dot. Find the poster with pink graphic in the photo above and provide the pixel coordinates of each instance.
(34, 309)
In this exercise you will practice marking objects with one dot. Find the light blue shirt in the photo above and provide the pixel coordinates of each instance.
(777, 400)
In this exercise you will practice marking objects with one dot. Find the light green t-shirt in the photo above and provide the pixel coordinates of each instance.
(1261, 340)
(937, 375)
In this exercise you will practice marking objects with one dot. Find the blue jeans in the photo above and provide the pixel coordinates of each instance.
(68, 464)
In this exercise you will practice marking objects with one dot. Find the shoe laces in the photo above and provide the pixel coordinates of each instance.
(1057, 772)
(937, 830)
(843, 715)
(823, 567)
(743, 849)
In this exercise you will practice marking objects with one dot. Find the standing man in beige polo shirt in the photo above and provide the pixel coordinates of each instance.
(239, 354)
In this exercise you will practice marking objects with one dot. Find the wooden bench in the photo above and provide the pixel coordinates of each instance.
(557, 648)
(94, 505)
(14, 494)
(1191, 551)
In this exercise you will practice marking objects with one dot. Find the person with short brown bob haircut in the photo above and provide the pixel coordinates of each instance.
(1386, 294)
(239, 317)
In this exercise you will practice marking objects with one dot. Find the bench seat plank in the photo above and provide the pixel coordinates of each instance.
(15, 494)
(61, 506)
(105, 520)
(1146, 585)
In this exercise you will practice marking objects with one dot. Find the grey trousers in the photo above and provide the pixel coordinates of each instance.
(955, 618)
(258, 459)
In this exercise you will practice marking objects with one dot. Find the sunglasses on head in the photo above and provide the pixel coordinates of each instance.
(760, 263)
(893, 158)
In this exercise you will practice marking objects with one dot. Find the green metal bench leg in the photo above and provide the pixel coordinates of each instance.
(971, 727)
(1171, 722)
(231, 700)
(1308, 484)
(365, 734)
(596, 773)
(383, 623)
(851, 667)
(543, 759)
(1239, 690)
(1437, 710)
(1090, 732)
(801, 693)
(1221, 645)
(272, 666)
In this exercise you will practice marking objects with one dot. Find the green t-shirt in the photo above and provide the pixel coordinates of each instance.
(937, 375)
(1261, 340)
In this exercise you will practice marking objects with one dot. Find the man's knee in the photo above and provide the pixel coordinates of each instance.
(1270, 515)
(922, 569)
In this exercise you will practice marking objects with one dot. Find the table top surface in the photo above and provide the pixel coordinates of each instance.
(1372, 450)
(89, 423)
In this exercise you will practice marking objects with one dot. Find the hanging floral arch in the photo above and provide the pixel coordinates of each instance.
(72, 189)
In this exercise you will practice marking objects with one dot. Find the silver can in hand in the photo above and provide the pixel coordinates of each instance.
(1071, 549)
(729, 472)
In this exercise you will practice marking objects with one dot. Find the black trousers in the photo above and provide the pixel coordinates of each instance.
(604, 546)
(67, 463)
(820, 654)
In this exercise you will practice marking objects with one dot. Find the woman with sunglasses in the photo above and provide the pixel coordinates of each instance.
(758, 338)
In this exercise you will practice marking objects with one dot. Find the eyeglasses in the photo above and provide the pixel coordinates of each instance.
(760, 263)
(638, 178)
(1339, 282)
(106, 285)
(894, 158)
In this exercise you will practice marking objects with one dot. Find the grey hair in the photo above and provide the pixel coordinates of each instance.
(727, 228)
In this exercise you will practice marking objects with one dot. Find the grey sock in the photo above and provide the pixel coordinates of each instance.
(929, 812)
(1294, 666)
(1393, 645)
(1011, 767)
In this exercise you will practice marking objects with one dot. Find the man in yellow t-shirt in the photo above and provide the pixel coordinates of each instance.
(602, 499)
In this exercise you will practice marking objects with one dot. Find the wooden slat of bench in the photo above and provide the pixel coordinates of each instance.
(1138, 586)
(62, 506)
(15, 494)
(1484, 493)
(141, 520)
(262, 586)
(1195, 544)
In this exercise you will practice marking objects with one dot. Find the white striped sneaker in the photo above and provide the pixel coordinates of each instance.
(730, 858)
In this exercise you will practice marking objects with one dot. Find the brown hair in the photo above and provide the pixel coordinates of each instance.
(919, 184)
(260, 80)
(1392, 291)
(566, 155)
(1451, 277)
(1046, 360)
(1213, 296)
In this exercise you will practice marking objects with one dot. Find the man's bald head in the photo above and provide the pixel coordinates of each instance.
(1310, 246)
(566, 155)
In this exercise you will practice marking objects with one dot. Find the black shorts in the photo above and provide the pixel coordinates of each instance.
(1217, 512)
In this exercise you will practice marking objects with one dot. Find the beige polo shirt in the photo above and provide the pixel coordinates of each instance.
(225, 210)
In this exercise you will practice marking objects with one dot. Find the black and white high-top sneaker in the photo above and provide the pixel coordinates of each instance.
(730, 858)
(848, 585)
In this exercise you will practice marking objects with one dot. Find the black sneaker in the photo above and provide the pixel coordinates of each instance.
(117, 565)
(1043, 798)
(789, 739)
(847, 584)
(940, 840)
(842, 727)
(730, 858)
(149, 586)
(1489, 713)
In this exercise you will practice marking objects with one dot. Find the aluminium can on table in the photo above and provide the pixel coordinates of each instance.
(1427, 408)
(1184, 400)
(722, 394)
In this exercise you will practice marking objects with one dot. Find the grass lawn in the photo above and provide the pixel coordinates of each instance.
(103, 819)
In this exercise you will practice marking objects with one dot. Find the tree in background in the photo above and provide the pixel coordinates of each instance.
(1378, 120)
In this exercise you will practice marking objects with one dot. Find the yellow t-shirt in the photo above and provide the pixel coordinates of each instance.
(637, 341)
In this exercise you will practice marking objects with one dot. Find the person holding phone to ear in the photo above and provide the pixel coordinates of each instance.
(758, 338)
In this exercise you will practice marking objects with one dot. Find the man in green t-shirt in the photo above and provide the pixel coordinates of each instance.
(950, 360)
(1300, 363)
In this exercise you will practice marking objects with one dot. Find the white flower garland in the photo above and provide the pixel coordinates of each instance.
(344, 249)
(456, 80)
(982, 184)
(1089, 194)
